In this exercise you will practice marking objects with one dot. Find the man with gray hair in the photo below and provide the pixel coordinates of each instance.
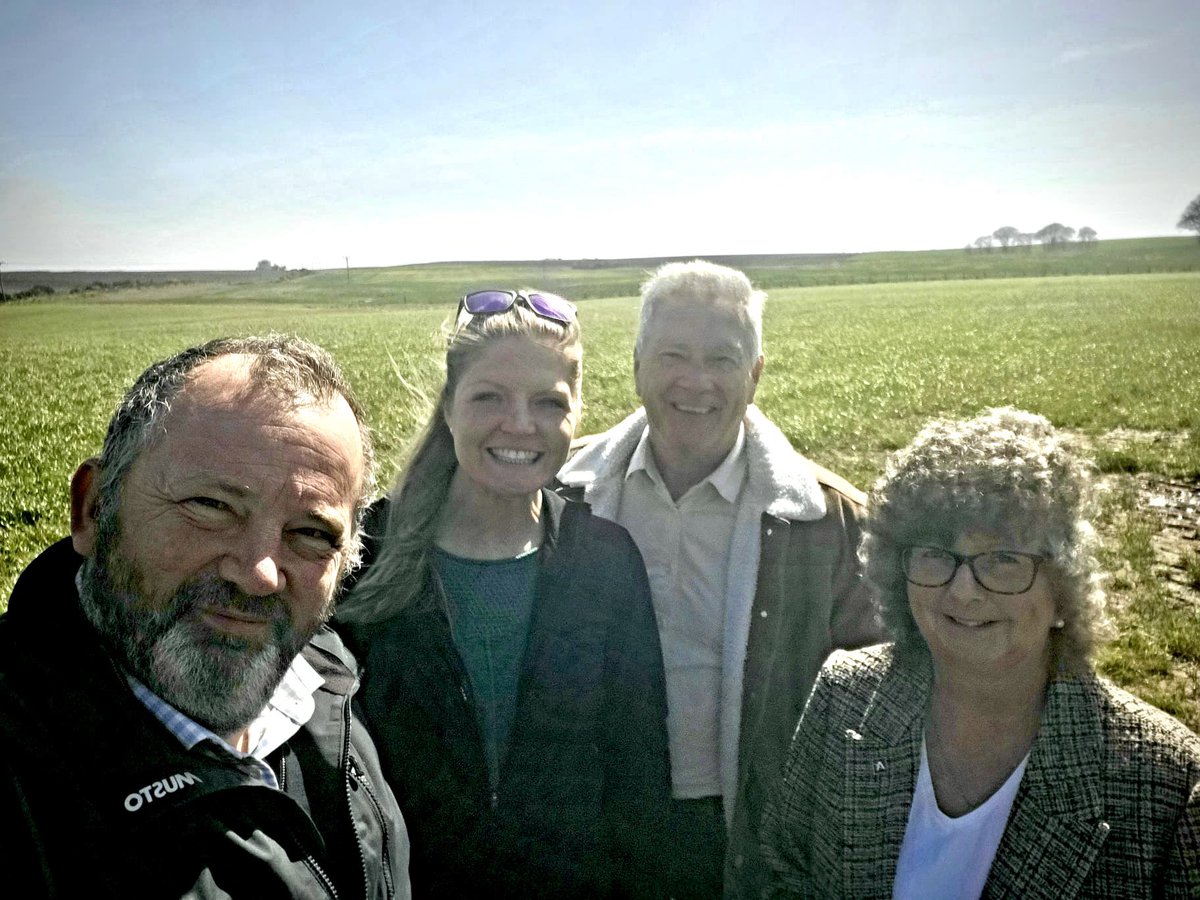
(750, 549)
(175, 718)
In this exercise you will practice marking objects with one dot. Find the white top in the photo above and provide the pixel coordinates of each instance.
(289, 709)
(686, 545)
(946, 857)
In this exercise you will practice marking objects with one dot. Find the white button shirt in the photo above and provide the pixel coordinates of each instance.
(685, 545)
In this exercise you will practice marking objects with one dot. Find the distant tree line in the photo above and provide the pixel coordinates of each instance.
(265, 268)
(45, 290)
(1191, 217)
(38, 290)
(1052, 236)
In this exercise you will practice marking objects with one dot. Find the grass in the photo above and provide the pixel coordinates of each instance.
(1191, 568)
(1156, 650)
(852, 372)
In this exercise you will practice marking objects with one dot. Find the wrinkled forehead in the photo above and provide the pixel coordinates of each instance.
(703, 324)
(225, 409)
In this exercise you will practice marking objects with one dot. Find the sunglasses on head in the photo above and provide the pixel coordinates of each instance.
(548, 306)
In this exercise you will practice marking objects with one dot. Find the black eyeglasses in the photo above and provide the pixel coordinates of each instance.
(548, 306)
(999, 571)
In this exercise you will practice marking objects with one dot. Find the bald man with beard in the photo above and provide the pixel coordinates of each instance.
(175, 717)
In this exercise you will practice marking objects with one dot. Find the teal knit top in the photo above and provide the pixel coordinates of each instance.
(490, 605)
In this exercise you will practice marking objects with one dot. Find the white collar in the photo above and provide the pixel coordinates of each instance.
(727, 478)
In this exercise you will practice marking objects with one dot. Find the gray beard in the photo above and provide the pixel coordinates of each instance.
(220, 681)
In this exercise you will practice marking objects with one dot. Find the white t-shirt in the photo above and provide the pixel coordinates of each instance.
(946, 857)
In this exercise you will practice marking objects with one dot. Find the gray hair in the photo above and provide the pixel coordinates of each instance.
(1004, 469)
(398, 575)
(289, 367)
(702, 283)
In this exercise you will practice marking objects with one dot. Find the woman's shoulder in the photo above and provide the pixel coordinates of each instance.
(1130, 724)
(866, 664)
(577, 524)
(1138, 751)
(874, 689)
(857, 677)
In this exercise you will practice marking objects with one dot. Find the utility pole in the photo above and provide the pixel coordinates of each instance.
(347, 269)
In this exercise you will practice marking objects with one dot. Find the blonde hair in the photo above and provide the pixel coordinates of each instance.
(398, 575)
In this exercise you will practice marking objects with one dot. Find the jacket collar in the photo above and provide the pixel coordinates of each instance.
(897, 709)
(1058, 813)
(781, 481)
(1070, 739)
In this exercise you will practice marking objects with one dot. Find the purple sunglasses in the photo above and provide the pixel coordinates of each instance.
(548, 306)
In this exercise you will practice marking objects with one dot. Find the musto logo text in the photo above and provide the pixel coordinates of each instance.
(160, 788)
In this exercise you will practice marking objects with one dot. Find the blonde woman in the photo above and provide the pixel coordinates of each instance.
(514, 679)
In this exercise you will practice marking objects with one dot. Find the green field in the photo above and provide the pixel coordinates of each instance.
(588, 279)
(852, 372)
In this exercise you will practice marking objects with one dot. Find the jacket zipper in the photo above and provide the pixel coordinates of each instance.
(325, 880)
(460, 671)
(362, 856)
(360, 778)
(310, 860)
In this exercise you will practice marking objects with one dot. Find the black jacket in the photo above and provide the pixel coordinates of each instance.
(584, 788)
(98, 799)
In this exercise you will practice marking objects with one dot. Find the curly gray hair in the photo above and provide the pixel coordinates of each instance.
(1005, 470)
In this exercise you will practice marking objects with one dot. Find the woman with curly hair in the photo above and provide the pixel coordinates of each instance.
(979, 754)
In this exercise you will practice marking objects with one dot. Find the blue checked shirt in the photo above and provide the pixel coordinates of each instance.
(289, 708)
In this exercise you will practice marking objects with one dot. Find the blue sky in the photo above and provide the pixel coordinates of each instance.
(209, 135)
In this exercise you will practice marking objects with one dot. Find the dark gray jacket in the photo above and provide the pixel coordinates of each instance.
(583, 790)
(97, 799)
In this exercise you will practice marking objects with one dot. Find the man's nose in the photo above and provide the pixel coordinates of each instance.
(254, 566)
(695, 377)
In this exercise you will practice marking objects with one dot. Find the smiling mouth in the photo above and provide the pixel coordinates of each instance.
(692, 410)
(969, 623)
(515, 457)
(236, 622)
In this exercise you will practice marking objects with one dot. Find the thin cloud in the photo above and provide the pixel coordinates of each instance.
(1078, 54)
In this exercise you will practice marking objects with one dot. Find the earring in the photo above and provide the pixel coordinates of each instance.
(1059, 623)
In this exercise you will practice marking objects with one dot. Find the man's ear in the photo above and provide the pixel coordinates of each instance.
(85, 506)
(756, 373)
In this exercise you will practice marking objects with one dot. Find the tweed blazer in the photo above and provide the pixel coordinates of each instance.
(1109, 805)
